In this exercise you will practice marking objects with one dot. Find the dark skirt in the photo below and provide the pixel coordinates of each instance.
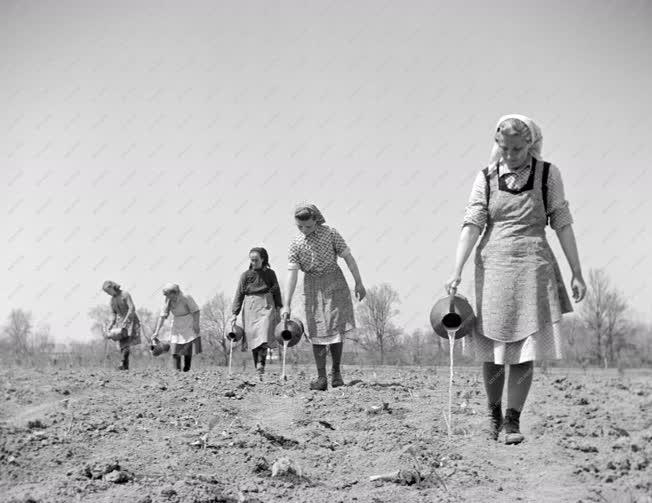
(187, 349)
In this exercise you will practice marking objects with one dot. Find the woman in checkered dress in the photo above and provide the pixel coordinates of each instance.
(328, 304)
(520, 294)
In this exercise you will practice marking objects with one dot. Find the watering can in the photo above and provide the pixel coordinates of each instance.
(116, 334)
(289, 331)
(235, 334)
(158, 348)
(452, 313)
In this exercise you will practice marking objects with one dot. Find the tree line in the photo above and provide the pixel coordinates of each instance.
(600, 333)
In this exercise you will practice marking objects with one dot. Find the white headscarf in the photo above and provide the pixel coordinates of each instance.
(536, 144)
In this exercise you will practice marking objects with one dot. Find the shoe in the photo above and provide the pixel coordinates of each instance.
(319, 384)
(122, 367)
(496, 421)
(260, 371)
(336, 380)
(512, 424)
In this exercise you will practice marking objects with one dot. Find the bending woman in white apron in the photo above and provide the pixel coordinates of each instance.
(184, 334)
(258, 296)
(520, 294)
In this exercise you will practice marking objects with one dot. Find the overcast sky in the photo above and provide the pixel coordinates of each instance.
(148, 142)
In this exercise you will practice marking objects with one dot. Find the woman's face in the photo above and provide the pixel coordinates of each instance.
(306, 226)
(513, 150)
(111, 291)
(172, 296)
(255, 260)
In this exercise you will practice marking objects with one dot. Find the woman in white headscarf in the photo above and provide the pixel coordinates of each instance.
(184, 334)
(520, 294)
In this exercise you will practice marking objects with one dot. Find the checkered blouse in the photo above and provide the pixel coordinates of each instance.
(558, 211)
(317, 252)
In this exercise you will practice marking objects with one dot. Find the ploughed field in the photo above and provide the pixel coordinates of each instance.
(156, 435)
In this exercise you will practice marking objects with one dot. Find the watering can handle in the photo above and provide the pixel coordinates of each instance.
(451, 299)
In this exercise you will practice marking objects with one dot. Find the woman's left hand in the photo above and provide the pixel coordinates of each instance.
(360, 291)
(578, 287)
(195, 329)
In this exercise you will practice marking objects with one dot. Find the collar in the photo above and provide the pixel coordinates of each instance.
(504, 170)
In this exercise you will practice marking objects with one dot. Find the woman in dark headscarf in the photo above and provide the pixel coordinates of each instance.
(329, 309)
(258, 296)
(125, 320)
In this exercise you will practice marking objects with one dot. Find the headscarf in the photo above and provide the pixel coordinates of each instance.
(263, 255)
(536, 138)
(171, 287)
(111, 284)
(313, 210)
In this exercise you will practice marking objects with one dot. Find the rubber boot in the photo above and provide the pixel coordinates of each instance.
(495, 420)
(512, 427)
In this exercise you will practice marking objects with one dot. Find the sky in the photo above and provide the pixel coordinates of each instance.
(149, 142)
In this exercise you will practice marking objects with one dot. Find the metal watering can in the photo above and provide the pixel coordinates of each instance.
(452, 313)
(235, 334)
(157, 347)
(288, 331)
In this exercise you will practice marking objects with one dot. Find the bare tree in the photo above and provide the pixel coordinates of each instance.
(616, 324)
(375, 319)
(214, 322)
(19, 331)
(42, 340)
(603, 314)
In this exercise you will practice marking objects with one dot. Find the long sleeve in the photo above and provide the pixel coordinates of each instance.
(275, 289)
(239, 296)
(558, 210)
(476, 209)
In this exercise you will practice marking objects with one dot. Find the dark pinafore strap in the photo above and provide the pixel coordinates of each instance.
(544, 184)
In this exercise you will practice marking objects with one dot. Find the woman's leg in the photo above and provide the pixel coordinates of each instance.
(494, 381)
(254, 354)
(520, 380)
(125, 358)
(187, 361)
(177, 361)
(262, 357)
(320, 351)
(336, 356)
(518, 386)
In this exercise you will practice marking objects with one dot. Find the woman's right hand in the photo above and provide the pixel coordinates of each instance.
(453, 282)
(232, 320)
(285, 313)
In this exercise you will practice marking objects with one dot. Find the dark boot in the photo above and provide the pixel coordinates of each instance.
(319, 384)
(512, 427)
(495, 420)
(320, 352)
(187, 361)
(336, 379)
(336, 355)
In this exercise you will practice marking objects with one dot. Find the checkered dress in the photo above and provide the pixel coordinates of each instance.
(520, 294)
(328, 304)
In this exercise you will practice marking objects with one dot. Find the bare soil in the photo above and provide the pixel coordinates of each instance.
(152, 435)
